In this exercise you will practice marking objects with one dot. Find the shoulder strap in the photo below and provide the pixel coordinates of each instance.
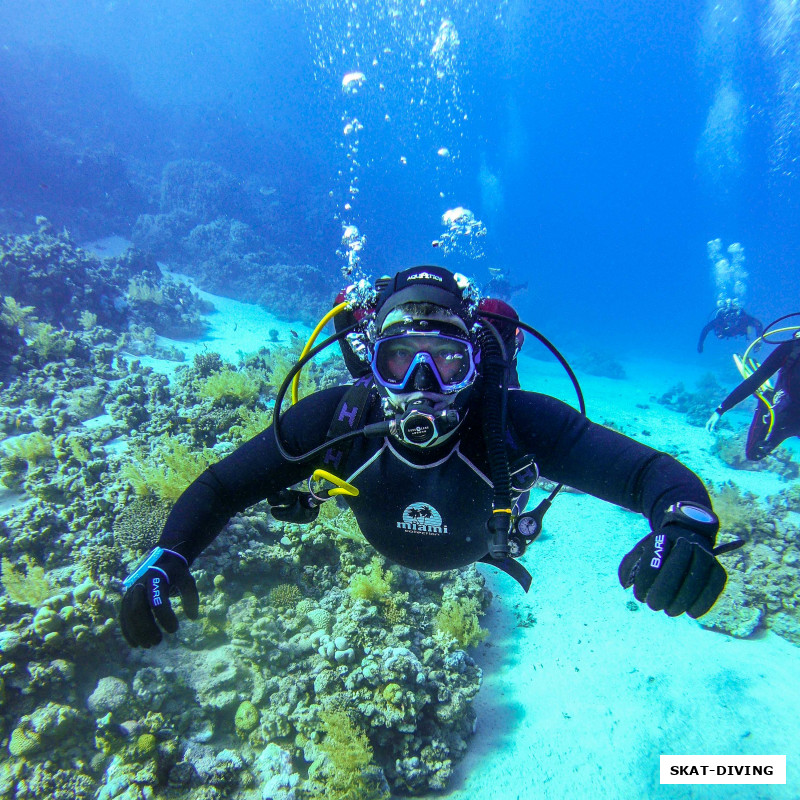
(348, 417)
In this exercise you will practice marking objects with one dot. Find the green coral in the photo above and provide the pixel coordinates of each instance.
(285, 595)
(458, 619)
(137, 527)
(167, 470)
(372, 584)
(246, 718)
(230, 386)
(17, 316)
(29, 586)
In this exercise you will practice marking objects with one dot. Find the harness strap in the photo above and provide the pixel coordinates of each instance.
(348, 417)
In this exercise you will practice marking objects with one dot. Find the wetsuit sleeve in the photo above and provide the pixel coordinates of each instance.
(248, 475)
(774, 361)
(572, 450)
(703, 335)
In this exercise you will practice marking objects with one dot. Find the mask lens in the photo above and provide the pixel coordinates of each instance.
(396, 357)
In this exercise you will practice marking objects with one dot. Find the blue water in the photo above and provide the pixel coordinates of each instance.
(598, 186)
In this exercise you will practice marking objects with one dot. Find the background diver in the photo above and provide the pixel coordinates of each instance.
(729, 321)
(777, 414)
(432, 424)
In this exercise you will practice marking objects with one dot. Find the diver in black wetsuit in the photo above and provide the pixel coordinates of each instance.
(730, 321)
(438, 448)
(777, 415)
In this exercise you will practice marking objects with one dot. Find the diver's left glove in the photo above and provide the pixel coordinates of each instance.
(674, 569)
(146, 607)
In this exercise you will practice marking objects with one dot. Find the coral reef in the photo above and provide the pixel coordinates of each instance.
(232, 257)
(698, 405)
(315, 667)
(47, 276)
(601, 364)
(762, 584)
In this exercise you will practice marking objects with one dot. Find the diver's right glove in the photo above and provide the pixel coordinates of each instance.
(146, 608)
(674, 570)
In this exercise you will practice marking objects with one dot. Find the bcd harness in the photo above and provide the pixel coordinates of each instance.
(350, 413)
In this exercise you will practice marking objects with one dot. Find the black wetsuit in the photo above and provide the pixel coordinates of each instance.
(785, 401)
(427, 509)
(729, 323)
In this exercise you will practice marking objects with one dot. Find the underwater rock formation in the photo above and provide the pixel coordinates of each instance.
(308, 643)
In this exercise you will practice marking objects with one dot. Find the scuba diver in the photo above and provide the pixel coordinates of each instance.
(777, 414)
(729, 321)
(431, 449)
(500, 286)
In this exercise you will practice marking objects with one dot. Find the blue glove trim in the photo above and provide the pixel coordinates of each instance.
(146, 562)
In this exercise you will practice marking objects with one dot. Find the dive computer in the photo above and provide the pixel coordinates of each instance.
(692, 516)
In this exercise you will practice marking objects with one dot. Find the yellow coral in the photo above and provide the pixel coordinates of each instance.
(735, 510)
(146, 745)
(167, 470)
(230, 385)
(373, 583)
(458, 620)
(246, 718)
(394, 611)
(23, 741)
(253, 422)
(350, 754)
(49, 343)
(141, 291)
(281, 361)
(87, 320)
(30, 586)
(29, 447)
(16, 316)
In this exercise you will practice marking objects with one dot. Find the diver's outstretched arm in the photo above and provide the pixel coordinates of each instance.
(774, 361)
(703, 335)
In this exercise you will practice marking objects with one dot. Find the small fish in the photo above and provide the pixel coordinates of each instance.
(295, 334)
(44, 186)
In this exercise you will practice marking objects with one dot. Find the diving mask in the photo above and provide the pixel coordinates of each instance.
(426, 361)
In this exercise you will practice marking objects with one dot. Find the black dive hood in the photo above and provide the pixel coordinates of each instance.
(427, 284)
